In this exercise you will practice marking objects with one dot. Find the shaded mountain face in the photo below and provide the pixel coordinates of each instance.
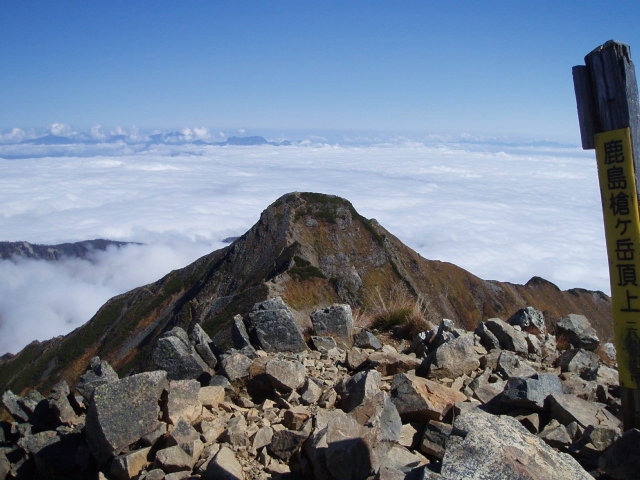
(33, 251)
(311, 249)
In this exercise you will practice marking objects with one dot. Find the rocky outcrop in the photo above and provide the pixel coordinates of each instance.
(328, 413)
(312, 250)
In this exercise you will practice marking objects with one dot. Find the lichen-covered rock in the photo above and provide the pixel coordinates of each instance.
(274, 328)
(335, 321)
(500, 448)
(122, 412)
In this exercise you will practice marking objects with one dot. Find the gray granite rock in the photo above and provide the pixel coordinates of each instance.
(509, 338)
(576, 331)
(510, 365)
(285, 375)
(273, 327)
(531, 393)
(577, 360)
(366, 339)
(529, 320)
(202, 343)
(122, 412)
(453, 359)
(175, 354)
(500, 448)
(98, 373)
(335, 321)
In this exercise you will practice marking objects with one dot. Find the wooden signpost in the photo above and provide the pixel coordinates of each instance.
(609, 116)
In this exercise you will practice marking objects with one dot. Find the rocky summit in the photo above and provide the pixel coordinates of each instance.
(293, 352)
(313, 250)
(343, 403)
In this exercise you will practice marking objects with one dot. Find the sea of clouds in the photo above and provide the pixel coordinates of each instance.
(504, 211)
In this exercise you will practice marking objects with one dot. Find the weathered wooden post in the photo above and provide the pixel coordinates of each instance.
(609, 116)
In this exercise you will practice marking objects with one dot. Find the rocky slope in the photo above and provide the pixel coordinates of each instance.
(312, 250)
(510, 400)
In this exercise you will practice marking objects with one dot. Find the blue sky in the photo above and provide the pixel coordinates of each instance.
(478, 67)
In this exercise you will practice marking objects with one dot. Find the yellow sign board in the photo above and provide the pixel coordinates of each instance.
(622, 228)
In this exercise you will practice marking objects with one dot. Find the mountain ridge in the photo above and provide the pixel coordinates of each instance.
(313, 250)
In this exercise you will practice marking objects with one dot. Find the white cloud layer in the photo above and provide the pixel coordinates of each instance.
(502, 212)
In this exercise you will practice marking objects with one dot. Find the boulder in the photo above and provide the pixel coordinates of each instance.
(576, 331)
(556, 435)
(15, 406)
(567, 408)
(240, 337)
(235, 365)
(366, 339)
(530, 393)
(224, 466)
(285, 375)
(392, 362)
(310, 392)
(236, 432)
(128, 465)
(273, 326)
(418, 398)
(510, 365)
(59, 405)
(509, 338)
(323, 344)
(500, 448)
(122, 412)
(487, 338)
(211, 396)
(182, 401)
(529, 320)
(173, 459)
(98, 373)
(453, 359)
(577, 360)
(175, 354)
(334, 321)
(359, 387)
(202, 343)
(286, 443)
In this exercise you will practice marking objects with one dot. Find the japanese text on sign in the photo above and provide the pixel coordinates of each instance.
(622, 227)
